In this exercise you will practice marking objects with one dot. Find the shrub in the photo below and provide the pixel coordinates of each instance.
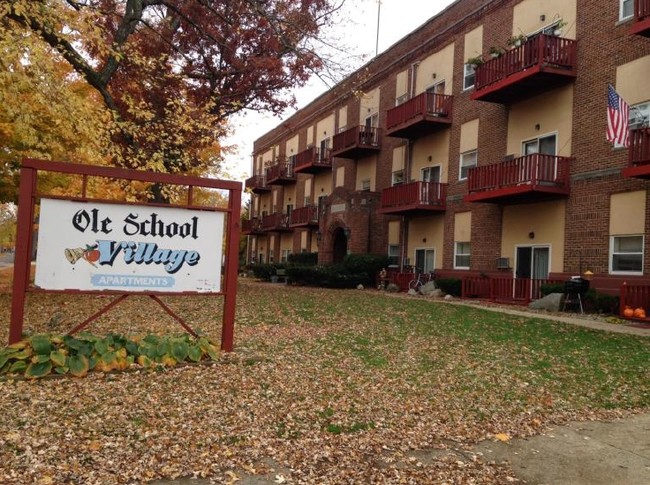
(365, 264)
(263, 271)
(303, 259)
(333, 276)
(601, 302)
(548, 288)
(451, 286)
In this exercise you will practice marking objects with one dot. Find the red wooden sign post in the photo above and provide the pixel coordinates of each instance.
(30, 196)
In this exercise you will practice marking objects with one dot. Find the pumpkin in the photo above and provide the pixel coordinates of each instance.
(628, 312)
(639, 313)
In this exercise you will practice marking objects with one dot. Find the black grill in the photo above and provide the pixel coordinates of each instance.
(576, 285)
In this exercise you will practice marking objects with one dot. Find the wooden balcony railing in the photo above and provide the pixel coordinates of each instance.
(535, 172)
(504, 289)
(639, 151)
(634, 296)
(414, 195)
(304, 216)
(313, 160)
(275, 222)
(281, 172)
(251, 226)
(641, 24)
(422, 109)
(356, 141)
(542, 50)
(257, 183)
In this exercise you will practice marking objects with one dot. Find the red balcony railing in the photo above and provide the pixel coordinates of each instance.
(304, 216)
(281, 173)
(251, 226)
(414, 197)
(522, 177)
(419, 116)
(356, 142)
(275, 222)
(313, 160)
(504, 289)
(641, 25)
(639, 154)
(634, 296)
(542, 63)
(257, 184)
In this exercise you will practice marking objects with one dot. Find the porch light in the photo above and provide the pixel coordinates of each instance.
(346, 232)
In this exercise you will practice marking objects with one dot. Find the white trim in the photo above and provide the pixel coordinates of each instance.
(467, 88)
(425, 248)
(460, 162)
(545, 135)
(533, 246)
(620, 11)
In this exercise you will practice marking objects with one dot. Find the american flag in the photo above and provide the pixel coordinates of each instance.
(618, 115)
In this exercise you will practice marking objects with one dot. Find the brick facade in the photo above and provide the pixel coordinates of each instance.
(603, 44)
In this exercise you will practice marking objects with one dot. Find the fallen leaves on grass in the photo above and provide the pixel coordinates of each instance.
(332, 386)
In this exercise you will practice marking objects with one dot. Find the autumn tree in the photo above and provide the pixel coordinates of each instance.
(171, 72)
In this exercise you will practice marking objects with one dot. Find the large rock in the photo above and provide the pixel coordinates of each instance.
(550, 302)
(392, 288)
(412, 292)
(427, 288)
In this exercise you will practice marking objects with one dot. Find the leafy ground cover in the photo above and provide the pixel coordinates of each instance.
(335, 386)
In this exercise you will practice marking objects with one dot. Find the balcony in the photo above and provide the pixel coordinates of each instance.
(641, 24)
(415, 198)
(542, 63)
(251, 226)
(278, 222)
(531, 178)
(313, 160)
(420, 116)
(304, 216)
(281, 173)
(639, 154)
(257, 184)
(357, 142)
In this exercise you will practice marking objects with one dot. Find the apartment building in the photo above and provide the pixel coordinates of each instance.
(475, 146)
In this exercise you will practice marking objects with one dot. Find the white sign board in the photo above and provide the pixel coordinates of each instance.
(95, 246)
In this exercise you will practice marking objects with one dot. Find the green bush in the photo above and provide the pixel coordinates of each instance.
(601, 302)
(333, 276)
(303, 259)
(365, 264)
(451, 286)
(265, 271)
(549, 288)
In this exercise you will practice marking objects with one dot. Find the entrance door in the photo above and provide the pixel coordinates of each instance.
(532, 264)
(339, 246)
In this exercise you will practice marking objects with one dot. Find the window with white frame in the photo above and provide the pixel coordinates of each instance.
(626, 254)
(271, 256)
(469, 76)
(640, 115)
(285, 255)
(393, 254)
(431, 174)
(626, 9)
(467, 161)
(397, 177)
(462, 252)
(401, 99)
(545, 145)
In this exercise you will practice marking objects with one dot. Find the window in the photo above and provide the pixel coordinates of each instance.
(467, 161)
(640, 116)
(365, 184)
(393, 254)
(469, 76)
(271, 256)
(626, 9)
(626, 254)
(431, 174)
(401, 99)
(285, 255)
(398, 177)
(323, 154)
(544, 144)
(462, 254)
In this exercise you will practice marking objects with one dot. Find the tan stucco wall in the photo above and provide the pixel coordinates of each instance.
(366, 169)
(267, 157)
(369, 105)
(289, 197)
(292, 146)
(442, 65)
(473, 43)
(310, 136)
(325, 129)
(545, 219)
(436, 147)
(286, 243)
(308, 186)
(399, 157)
(340, 177)
(431, 228)
(462, 226)
(343, 117)
(553, 113)
(265, 203)
(401, 83)
(303, 240)
(393, 232)
(527, 16)
(627, 213)
(322, 184)
(469, 136)
(632, 80)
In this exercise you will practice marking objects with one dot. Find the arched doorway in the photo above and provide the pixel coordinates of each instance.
(339, 245)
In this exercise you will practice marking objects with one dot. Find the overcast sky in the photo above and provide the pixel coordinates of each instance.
(358, 29)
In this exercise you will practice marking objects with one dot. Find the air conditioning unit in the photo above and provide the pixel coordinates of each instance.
(503, 263)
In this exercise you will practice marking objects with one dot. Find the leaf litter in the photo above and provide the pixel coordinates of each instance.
(324, 386)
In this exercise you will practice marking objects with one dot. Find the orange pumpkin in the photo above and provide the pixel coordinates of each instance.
(639, 313)
(628, 312)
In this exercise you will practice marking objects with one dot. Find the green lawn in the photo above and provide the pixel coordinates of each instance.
(339, 386)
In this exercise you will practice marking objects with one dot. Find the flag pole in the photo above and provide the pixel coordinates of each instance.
(377, 40)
